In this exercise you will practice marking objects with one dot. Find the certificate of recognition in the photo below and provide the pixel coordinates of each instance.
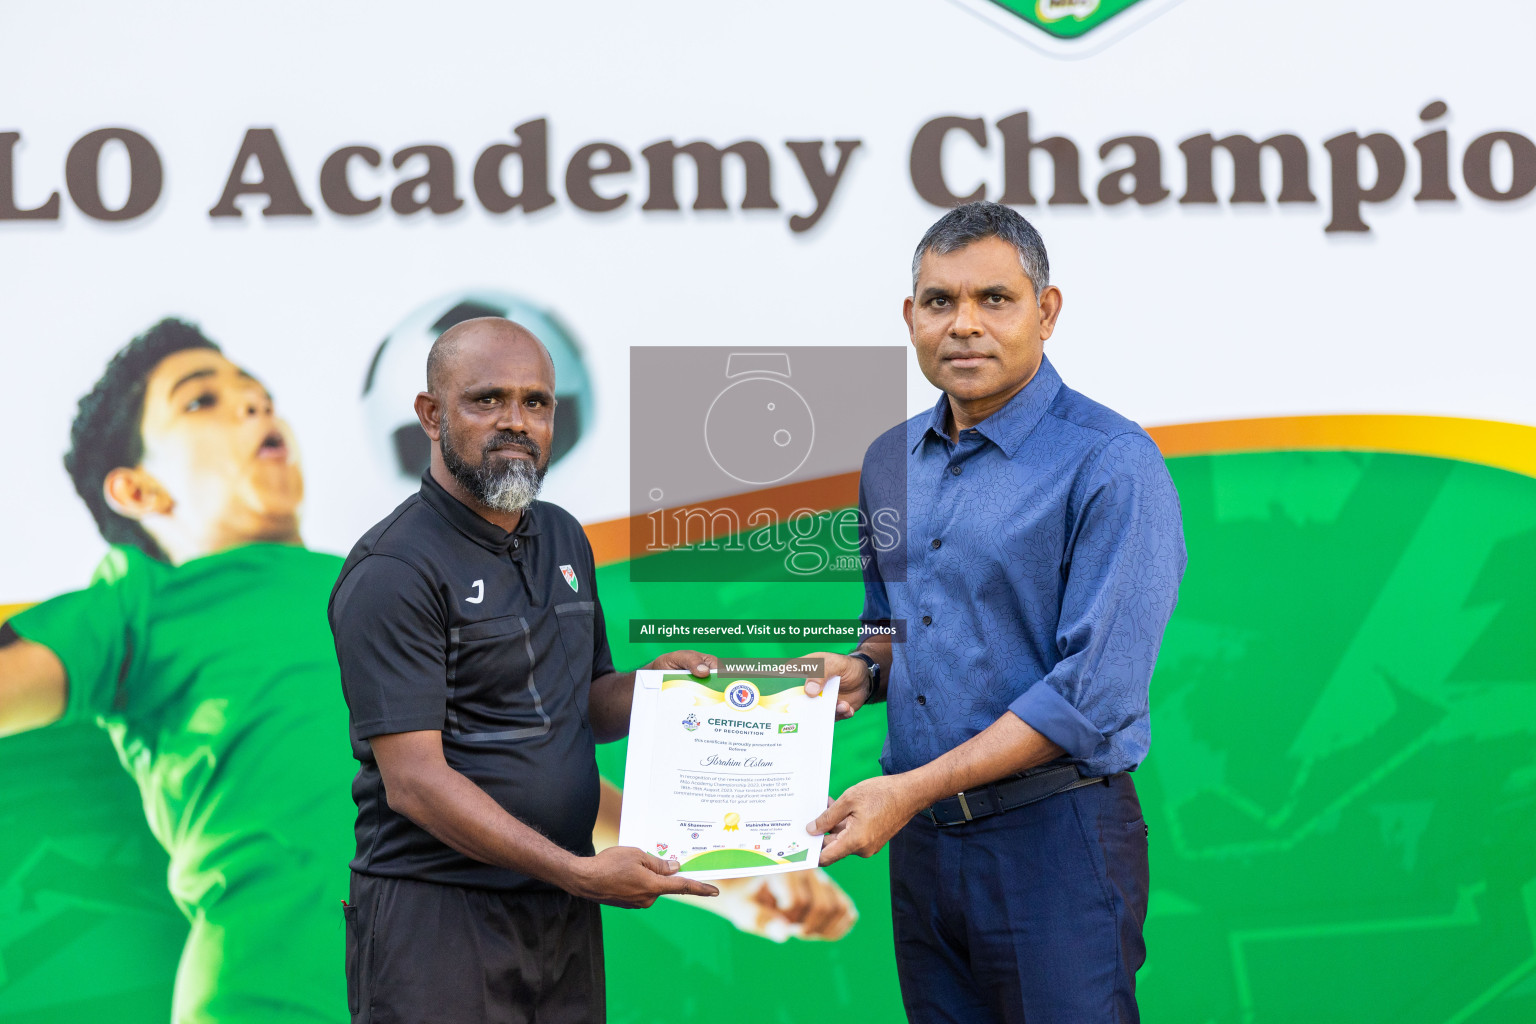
(723, 774)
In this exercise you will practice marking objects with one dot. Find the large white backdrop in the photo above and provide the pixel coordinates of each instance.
(1174, 312)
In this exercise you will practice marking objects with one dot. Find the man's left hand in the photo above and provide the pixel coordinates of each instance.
(864, 819)
(696, 662)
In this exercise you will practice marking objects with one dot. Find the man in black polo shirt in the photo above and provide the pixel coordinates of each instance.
(477, 673)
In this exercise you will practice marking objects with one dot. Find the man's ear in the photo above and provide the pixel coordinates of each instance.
(135, 494)
(429, 413)
(1050, 309)
(906, 314)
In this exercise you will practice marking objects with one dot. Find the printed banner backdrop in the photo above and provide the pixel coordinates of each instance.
(1293, 242)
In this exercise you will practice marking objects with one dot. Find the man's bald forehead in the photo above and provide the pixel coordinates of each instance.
(471, 334)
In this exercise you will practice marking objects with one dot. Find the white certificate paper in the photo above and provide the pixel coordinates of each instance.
(723, 774)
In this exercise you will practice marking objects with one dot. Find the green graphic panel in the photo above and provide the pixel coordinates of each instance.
(1343, 776)
(1341, 791)
(1066, 19)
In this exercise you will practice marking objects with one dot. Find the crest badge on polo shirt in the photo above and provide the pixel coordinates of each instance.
(570, 577)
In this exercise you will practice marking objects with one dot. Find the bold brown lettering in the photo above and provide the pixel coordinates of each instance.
(1018, 147)
(336, 191)
(1247, 181)
(926, 160)
(48, 209)
(532, 151)
(440, 196)
(1145, 171)
(580, 172)
(1348, 192)
(822, 182)
(1434, 158)
(82, 174)
(1477, 166)
(708, 162)
(276, 181)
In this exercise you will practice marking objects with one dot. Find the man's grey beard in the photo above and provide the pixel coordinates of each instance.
(506, 485)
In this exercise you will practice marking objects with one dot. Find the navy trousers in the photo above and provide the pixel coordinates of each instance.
(1031, 915)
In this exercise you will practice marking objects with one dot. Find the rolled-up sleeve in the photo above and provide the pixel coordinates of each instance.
(1125, 560)
(391, 644)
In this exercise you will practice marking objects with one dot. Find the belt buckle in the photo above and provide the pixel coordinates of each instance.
(965, 807)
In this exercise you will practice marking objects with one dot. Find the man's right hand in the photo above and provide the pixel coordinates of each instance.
(852, 684)
(622, 876)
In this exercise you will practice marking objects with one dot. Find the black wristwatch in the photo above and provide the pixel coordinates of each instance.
(874, 676)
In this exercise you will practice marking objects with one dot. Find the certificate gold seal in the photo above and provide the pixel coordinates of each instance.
(732, 822)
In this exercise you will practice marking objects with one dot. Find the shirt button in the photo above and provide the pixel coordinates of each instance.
(955, 470)
(927, 620)
(921, 699)
(937, 543)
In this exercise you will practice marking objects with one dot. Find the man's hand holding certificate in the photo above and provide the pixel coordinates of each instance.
(723, 773)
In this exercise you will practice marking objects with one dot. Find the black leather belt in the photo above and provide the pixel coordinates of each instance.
(1007, 794)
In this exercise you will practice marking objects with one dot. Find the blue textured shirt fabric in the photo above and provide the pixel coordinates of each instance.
(1039, 565)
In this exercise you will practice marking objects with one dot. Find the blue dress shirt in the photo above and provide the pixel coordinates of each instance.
(1040, 563)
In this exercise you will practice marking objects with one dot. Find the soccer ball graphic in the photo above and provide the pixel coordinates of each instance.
(399, 370)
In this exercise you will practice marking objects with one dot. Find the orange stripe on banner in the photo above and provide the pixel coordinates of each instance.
(1510, 446)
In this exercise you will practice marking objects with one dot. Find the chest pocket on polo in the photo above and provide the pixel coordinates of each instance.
(577, 630)
(493, 689)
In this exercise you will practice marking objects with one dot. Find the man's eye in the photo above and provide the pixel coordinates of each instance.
(996, 300)
(206, 400)
(938, 301)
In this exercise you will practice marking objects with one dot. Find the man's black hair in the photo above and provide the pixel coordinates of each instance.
(974, 221)
(107, 433)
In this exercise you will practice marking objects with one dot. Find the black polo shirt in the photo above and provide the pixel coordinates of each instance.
(445, 621)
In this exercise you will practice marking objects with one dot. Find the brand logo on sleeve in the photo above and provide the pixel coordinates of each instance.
(741, 695)
(570, 577)
(479, 586)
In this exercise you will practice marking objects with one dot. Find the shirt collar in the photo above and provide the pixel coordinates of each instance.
(1009, 426)
(470, 523)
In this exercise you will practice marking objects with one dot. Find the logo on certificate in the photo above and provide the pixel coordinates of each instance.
(790, 727)
(691, 722)
(741, 695)
(732, 822)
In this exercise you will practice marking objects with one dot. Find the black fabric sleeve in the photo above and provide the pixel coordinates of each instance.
(391, 643)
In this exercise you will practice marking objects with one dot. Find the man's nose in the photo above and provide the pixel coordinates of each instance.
(967, 322)
(511, 418)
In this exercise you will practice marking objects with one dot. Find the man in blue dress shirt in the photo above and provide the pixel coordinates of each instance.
(1041, 560)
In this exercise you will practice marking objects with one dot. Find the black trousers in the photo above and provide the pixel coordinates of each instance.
(420, 953)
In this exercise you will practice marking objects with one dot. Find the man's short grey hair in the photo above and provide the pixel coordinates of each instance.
(974, 221)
